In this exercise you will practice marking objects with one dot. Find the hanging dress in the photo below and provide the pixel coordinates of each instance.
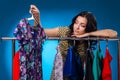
(30, 41)
(106, 72)
(57, 72)
(16, 66)
(88, 64)
(97, 65)
(73, 69)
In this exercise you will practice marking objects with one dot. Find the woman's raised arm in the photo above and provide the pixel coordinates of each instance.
(53, 32)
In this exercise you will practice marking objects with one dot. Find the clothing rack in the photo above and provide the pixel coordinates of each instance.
(68, 38)
(13, 39)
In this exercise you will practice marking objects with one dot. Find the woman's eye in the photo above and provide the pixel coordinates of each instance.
(83, 26)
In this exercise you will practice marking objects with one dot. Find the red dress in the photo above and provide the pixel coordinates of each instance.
(16, 66)
(106, 72)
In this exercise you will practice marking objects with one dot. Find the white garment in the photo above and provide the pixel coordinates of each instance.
(57, 73)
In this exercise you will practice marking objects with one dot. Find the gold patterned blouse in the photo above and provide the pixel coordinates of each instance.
(64, 44)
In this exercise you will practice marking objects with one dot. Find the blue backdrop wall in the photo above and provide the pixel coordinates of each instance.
(55, 13)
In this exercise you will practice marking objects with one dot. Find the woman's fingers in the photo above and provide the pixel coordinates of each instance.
(34, 9)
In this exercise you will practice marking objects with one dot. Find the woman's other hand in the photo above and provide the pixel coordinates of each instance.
(36, 14)
(34, 9)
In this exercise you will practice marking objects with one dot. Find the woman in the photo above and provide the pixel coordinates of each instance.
(84, 24)
(54, 32)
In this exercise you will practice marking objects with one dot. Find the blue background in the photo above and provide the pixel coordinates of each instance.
(55, 13)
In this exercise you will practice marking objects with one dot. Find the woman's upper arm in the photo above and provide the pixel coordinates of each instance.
(53, 32)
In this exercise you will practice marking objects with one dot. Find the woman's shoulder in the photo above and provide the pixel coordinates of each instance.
(63, 31)
(63, 27)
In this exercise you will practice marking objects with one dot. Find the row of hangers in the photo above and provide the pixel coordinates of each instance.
(89, 44)
(98, 43)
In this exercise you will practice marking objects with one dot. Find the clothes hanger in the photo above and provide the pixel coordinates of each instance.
(74, 43)
(106, 43)
(31, 18)
(88, 43)
(98, 44)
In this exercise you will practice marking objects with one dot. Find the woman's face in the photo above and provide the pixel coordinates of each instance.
(79, 25)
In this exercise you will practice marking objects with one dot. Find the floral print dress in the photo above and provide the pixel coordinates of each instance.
(30, 41)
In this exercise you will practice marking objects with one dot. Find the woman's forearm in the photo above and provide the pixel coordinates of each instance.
(101, 33)
(104, 33)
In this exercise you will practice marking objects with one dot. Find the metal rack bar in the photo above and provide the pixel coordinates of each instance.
(68, 38)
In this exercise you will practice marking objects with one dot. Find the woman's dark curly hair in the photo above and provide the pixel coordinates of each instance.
(91, 23)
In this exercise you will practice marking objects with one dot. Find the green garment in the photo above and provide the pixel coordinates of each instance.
(97, 65)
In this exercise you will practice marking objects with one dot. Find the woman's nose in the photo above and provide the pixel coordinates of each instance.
(78, 26)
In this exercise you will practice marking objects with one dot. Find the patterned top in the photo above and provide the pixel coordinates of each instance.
(30, 41)
(64, 44)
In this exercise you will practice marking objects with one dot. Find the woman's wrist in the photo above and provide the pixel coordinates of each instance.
(36, 19)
